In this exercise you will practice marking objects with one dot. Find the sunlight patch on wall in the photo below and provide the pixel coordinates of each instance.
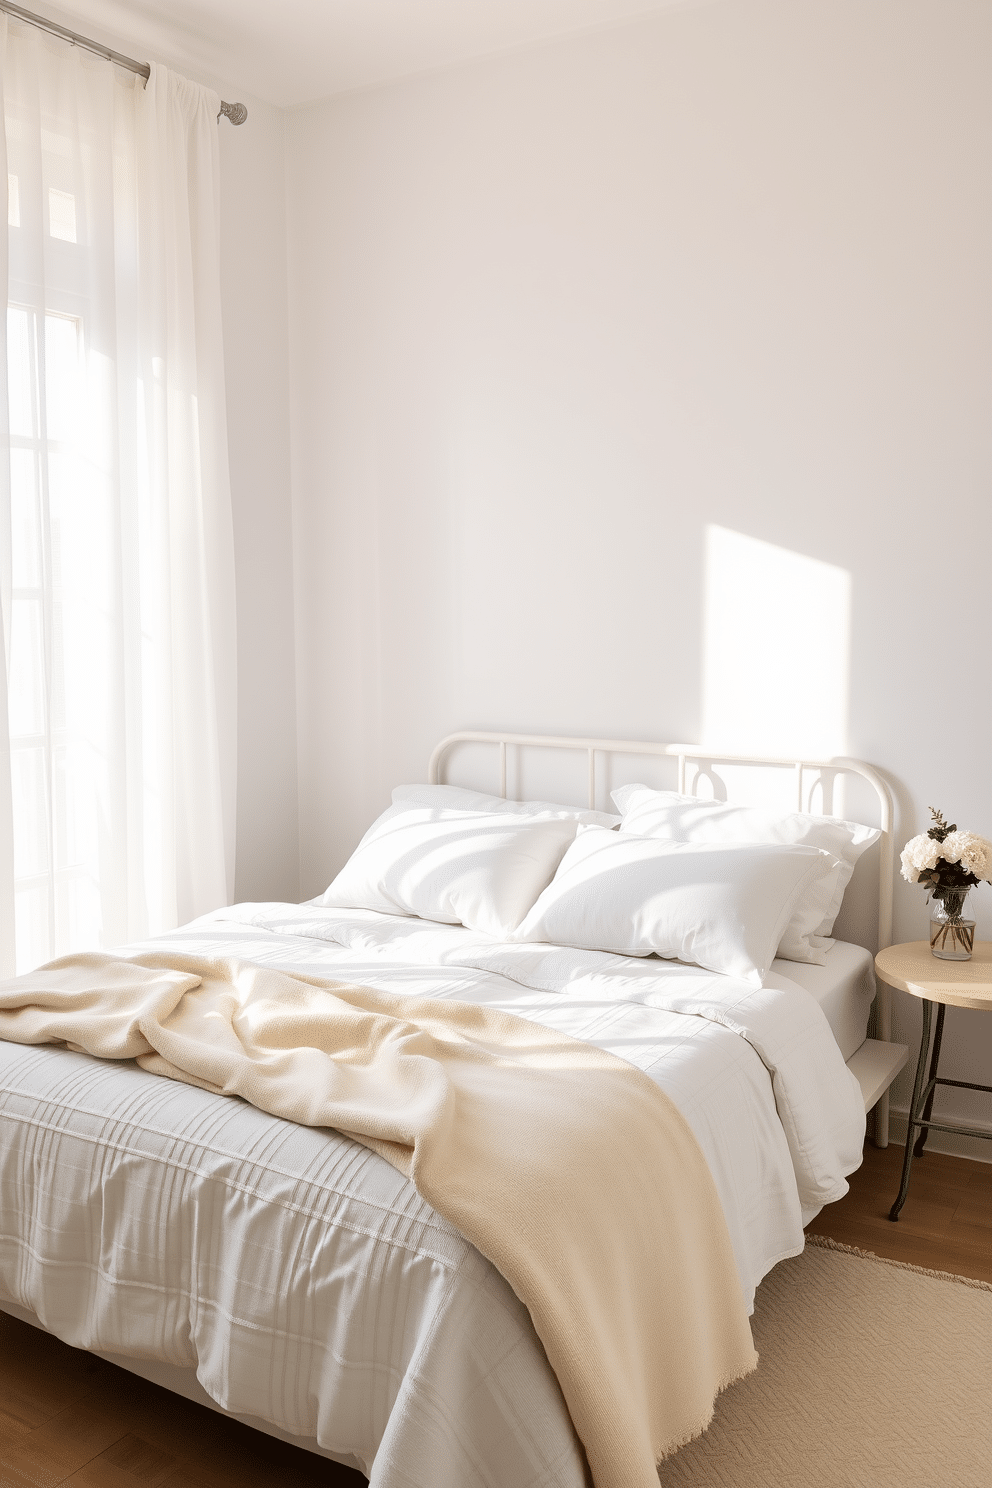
(776, 649)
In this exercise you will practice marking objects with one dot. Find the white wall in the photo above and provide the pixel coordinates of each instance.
(556, 317)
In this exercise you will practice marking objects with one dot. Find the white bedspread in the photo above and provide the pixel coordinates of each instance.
(305, 1280)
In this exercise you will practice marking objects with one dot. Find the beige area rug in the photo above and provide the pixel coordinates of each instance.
(872, 1374)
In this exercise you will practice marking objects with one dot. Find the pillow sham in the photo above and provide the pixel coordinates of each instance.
(461, 867)
(679, 818)
(721, 906)
(455, 795)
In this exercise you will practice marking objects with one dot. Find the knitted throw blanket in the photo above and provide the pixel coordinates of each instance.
(569, 1169)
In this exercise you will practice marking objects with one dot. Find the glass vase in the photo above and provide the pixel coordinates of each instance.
(952, 937)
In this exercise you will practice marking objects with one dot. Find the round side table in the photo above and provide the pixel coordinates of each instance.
(913, 968)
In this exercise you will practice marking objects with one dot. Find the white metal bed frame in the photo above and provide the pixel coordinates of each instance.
(878, 1061)
(875, 1064)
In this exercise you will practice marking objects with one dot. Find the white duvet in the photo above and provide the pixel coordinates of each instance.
(305, 1280)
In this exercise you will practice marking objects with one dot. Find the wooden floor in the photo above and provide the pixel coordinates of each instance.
(945, 1224)
(66, 1417)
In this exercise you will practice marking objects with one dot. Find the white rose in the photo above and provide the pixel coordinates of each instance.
(974, 853)
(913, 857)
(920, 853)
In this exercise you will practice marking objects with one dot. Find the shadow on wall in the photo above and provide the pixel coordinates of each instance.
(776, 649)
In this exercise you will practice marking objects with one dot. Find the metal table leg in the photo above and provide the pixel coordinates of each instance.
(914, 1109)
(938, 1034)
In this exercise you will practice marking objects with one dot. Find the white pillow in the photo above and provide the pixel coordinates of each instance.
(474, 868)
(721, 906)
(454, 795)
(677, 818)
(800, 938)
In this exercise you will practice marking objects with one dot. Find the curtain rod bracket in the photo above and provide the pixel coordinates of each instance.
(236, 112)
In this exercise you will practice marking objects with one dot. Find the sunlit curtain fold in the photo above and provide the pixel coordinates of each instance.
(117, 700)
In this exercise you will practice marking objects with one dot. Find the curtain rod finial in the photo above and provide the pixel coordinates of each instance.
(236, 112)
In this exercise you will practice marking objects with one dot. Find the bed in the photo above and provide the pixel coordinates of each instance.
(294, 1279)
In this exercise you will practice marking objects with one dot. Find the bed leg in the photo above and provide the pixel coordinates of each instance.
(882, 1121)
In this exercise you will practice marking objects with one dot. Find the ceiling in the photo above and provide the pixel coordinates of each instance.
(293, 52)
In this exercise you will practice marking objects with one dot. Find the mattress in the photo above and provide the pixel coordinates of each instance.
(306, 1282)
(844, 989)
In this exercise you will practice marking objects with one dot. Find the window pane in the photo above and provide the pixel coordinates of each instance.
(20, 373)
(26, 693)
(28, 779)
(25, 532)
(63, 389)
(31, 926)
(61, 592)
(62, 215)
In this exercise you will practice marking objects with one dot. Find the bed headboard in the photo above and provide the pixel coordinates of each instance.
(809, 781)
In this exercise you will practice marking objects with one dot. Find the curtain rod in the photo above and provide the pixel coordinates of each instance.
(236, 112)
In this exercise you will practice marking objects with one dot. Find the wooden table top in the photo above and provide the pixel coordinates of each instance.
(912, 967)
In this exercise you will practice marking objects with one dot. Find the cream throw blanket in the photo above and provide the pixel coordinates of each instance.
(568, 1168)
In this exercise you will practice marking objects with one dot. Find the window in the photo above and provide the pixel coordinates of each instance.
(119, 569)
(55, 895)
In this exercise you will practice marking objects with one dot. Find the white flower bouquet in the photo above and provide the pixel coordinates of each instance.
(946, 859)
(950, 863)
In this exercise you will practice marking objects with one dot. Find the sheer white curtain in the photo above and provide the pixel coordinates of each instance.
(117, 697)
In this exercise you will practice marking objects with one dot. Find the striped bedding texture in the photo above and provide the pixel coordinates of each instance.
(303, 1278)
